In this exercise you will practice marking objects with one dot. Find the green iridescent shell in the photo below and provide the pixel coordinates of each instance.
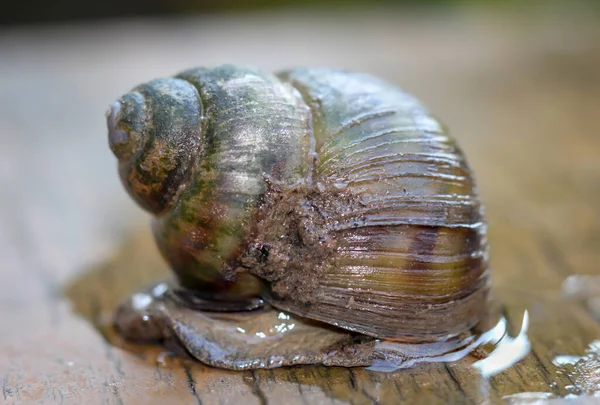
(330, 194)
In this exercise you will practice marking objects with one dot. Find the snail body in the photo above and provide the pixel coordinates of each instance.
(330, 195)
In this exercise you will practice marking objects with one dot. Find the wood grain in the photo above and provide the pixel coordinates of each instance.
(520, 94)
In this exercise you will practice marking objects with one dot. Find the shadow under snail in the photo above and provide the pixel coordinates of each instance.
(313, 216)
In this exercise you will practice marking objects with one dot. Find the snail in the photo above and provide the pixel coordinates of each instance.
(326, 198)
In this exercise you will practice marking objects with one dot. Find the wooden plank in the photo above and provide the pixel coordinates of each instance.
(522, 102)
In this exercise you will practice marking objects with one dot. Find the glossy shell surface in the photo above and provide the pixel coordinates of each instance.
(332, 195)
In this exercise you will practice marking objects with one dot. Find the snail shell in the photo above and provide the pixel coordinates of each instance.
(329, 194)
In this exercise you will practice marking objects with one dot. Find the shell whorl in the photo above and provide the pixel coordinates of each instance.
(333, 195)
(249, 127)
(155, 132)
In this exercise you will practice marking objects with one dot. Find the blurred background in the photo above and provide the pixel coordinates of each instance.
(38, 11)
(517, 83)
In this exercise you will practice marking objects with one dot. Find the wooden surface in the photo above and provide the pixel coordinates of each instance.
(521, 92)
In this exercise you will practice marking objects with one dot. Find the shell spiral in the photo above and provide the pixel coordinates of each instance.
(330, 194)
